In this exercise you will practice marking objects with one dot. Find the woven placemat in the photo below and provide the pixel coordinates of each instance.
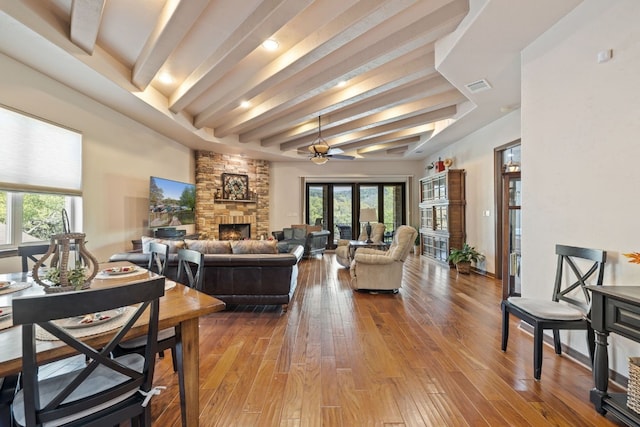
(15, 287)
(6, 323)
(109, 325)
(137, 272)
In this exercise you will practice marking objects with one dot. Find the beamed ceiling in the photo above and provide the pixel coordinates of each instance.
(389, 78)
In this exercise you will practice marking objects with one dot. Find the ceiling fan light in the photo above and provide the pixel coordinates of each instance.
(320, 148)
(319, 160)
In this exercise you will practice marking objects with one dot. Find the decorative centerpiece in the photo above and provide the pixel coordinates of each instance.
(59, 276)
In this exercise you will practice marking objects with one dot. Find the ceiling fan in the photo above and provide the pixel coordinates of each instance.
(321, 152)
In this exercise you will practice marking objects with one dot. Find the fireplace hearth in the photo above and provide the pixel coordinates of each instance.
(234, 231)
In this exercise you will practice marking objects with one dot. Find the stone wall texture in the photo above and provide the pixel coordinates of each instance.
(212, 211)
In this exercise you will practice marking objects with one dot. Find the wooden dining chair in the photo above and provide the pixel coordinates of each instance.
(29, 252)
(158, 263)
(105, 391)
(569, 306)
(158, 258)
(190, 268)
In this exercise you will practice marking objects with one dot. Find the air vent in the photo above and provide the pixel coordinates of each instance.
(478, 86)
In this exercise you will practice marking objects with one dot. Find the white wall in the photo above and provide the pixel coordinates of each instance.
(119, 155)
(287, 191)
(474, 154)
(580, 150)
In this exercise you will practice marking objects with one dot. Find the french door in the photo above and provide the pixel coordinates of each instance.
(508, 164)
(337, 205)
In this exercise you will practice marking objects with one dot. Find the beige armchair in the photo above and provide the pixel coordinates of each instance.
(342, 251)
(372, 269)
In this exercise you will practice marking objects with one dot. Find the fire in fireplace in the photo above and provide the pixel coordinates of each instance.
(234, 231)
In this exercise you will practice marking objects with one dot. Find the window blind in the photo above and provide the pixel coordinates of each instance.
(38, 156)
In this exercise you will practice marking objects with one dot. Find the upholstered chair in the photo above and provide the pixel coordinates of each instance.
(373, 269)
(342, 251)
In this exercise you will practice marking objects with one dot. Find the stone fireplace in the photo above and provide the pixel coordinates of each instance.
(212, 212)
(234, 231)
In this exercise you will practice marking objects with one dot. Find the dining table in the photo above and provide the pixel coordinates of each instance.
(180, 306)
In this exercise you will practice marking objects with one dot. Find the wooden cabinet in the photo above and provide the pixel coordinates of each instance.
(442, 213)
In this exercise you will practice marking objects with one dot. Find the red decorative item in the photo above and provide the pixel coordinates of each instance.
(439, 165)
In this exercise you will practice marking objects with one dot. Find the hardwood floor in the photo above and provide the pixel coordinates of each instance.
(427, 356)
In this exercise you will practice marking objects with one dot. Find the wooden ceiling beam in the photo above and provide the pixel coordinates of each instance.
(175, 21)
(86, 16)
(387, 48)
(333, 100)
(265, 20)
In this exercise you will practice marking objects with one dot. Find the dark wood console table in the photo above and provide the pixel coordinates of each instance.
(614, 309)
(356, 244)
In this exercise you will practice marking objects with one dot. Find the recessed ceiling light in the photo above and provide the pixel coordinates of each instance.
(245, 104)
(270, 44)
(165, 78)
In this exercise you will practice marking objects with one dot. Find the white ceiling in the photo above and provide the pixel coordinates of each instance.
(406, 65)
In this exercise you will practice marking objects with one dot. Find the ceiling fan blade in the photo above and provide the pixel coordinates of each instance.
(341, 156)
(335, 151)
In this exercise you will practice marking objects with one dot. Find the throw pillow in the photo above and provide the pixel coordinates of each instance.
(254, 247)
(288, 233)
(174, 245)
(209, 246)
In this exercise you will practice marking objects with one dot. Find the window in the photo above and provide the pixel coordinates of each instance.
(33, 217)
(32, 198)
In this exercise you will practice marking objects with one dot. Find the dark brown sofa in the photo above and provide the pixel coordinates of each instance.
(240, 277)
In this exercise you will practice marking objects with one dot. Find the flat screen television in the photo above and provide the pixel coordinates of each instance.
(171, 203)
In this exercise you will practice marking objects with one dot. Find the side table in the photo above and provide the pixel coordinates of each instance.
(614, 309)
(357, 244)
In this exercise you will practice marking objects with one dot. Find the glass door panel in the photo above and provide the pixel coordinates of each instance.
(392, 211)
(343, 212)
(318, 207)
(368, 195)
(512, 235)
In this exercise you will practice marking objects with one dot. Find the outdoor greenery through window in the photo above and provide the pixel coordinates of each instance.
(32, 217)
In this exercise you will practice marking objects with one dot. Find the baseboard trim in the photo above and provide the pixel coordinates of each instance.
(483, 272)
(577, 357)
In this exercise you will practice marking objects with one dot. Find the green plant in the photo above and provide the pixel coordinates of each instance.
(466, 254)
(417, 241)
(76, 276)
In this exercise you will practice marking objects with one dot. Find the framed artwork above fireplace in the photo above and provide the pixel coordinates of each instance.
(235, 186)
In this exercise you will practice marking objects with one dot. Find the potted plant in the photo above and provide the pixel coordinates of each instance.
(462, 258)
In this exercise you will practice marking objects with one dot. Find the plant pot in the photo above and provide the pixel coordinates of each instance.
(463, 267)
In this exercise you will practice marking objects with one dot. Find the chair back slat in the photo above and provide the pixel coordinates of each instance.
(570, 277)
(29, 252)
(187, 260)
(158, 257)
(45, 310)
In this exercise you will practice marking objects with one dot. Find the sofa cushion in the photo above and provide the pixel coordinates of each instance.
(299, 233)
(254, 247)
(174, 245)
(209, 246)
